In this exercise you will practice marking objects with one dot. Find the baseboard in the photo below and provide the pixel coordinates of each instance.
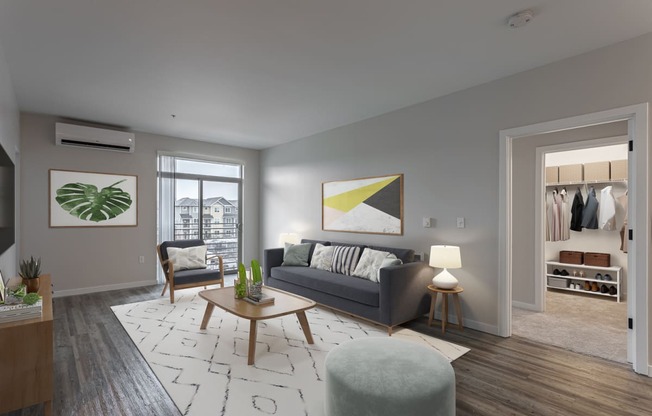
(523, 305)
(649, 370)
(104, 288)
(469, 323)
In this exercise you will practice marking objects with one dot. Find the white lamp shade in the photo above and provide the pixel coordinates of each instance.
(445, 257)
(291, 238)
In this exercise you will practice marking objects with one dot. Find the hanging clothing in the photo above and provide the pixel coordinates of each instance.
(590, 212)
(622, 200)
(564, 220)
(607, 214)
(576, 211)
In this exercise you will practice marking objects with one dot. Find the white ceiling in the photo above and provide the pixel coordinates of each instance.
(257, 73)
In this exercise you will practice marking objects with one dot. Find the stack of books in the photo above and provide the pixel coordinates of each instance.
(265, 299)
(10, 313)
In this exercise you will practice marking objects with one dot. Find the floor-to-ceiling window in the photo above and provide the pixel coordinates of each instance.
(202, 199)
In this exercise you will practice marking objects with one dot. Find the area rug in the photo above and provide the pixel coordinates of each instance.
(206, 372)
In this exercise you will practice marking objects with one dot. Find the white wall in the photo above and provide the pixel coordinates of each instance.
(448, 149)
(9, 140)
(88, 259)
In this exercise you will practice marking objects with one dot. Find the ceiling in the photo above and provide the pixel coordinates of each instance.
(258, 73)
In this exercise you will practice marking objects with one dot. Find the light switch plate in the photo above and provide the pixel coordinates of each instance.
(460, 222)
(427, 222)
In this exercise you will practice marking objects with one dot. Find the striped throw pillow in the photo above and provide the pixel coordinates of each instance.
(345, 259)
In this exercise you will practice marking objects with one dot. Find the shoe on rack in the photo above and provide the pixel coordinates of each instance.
(598, 276)
(582, 274)
(594, 287)
(564, 272)
(613, 290)
(608, 277)
(556, 272)
(587, 286)
(603, 289)
(575, 273)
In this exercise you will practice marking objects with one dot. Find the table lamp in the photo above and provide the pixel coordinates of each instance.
(291, 238)
(445, 257)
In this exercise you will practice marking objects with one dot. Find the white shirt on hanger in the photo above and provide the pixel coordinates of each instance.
(607, 214)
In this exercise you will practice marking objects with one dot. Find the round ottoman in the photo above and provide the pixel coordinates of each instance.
(385, 376)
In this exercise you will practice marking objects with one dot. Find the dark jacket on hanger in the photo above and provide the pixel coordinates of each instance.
(576, 211)
(590, 213)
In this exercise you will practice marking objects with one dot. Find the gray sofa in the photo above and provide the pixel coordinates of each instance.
(400, 296)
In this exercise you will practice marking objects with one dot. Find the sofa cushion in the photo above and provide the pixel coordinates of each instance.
(314, 243)
(187, 258)
(178, 243)
(358, 290)
(406, 255)
(345, 259)
(369, 264)
(322, 257)
(296, 254)
(195, 276)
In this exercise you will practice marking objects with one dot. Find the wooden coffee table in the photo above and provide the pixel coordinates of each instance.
(284, 304)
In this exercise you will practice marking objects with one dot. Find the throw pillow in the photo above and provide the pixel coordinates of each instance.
(296, 254)
(390, 260)
(369, 264)
(322, 257)
(345, 259)
(187, 258)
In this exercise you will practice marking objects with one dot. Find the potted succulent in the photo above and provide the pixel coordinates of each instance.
(30, 271)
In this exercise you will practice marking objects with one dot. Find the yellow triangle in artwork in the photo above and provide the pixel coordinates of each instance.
(346, 201)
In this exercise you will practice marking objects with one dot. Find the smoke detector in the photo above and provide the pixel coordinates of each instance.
(520, 19)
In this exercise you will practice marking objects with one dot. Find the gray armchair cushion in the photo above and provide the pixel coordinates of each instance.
(195, 276)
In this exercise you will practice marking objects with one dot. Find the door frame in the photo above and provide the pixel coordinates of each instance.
(638, 208)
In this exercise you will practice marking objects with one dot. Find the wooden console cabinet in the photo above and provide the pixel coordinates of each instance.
(26, 358)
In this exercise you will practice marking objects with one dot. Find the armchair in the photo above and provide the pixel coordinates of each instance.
(183, 279)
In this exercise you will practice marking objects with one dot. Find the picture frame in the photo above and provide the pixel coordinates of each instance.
(92, 199)
(372, 205)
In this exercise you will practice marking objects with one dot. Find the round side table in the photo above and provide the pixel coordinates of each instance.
(444, 313)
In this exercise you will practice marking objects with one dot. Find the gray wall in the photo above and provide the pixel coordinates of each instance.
(523, 186)
(87, 259)
(9, 140)
(448, 149)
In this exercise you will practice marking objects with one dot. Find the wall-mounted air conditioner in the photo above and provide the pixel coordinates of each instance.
(94, 138)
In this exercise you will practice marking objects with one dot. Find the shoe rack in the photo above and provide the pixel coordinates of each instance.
(579, 275)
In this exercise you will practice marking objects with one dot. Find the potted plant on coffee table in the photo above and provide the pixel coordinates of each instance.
(30, 271)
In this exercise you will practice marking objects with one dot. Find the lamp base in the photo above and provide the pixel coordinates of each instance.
(445, 280)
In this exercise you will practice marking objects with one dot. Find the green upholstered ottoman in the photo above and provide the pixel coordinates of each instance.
(385, 376)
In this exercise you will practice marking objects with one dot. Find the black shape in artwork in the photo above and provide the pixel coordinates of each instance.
(388, 199)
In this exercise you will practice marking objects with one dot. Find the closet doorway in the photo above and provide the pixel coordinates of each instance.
(584, 278)
(520, 256)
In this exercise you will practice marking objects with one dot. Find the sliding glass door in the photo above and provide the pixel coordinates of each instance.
(206, 198)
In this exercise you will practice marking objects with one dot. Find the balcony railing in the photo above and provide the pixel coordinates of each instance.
(220, 239)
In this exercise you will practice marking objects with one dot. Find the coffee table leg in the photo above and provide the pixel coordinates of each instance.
(253, 329)
(304, 325)
(207, 315)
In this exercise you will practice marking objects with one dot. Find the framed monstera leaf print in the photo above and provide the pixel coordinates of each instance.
(89, 199)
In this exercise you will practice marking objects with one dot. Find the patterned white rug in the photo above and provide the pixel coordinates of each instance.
(206, 372)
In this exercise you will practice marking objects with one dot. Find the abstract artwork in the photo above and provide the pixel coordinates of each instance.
(89, 199)
(367, 205)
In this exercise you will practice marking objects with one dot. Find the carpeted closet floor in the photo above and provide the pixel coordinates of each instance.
(582, 323)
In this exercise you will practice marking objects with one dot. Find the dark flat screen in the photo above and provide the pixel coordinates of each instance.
(7, 202)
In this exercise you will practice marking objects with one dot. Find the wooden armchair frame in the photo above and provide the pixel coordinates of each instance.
(168, 270)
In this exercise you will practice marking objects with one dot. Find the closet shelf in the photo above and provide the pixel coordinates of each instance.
(609, 182)
(614, 271)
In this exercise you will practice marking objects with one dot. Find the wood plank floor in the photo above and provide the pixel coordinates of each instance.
(98, 371)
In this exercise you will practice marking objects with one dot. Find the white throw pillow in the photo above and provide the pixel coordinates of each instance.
(369, 264)
(187, 258)
(322, 257)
